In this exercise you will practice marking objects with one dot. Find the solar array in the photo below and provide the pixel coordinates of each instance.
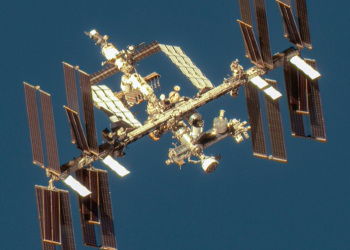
(46, 114)
(187, 67)
(304, 101)
(166, 114)
(301, 91)
(95, 209)
(104, 99)
(140, 53)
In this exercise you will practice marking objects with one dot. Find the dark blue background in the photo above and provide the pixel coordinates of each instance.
(247, 203)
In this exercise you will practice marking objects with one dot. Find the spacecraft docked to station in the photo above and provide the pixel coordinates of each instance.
(174, 113)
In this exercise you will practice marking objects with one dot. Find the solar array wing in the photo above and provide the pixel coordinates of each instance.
(290, 25)
(187, 67)
(88, 112)
(89, 208)
(275, 127)
(303, 95)
(68, 242)
(77, 129)
(251, 44)
(48, 246)
(103, 74)
(263, 32)
(94, 197)
(303, 23)
(291, 80)
(55, 218)
(106, 215)
(316, 115)
(85, 204)
(40, 204)
(34, 124)
(50, 135)
(95, 209)
(255, 120)
(105, 99)
(244, 8)
(51, 216)
(71, 90)
(146, 51)
(71, 86)
(287, 2)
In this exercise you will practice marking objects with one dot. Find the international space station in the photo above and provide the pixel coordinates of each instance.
(175, 113)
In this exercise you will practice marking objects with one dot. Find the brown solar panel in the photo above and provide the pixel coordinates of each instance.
(48, 246)
(55, 210)
(289, 22)
(303, 23)
(146, 51)
(50, 135)
(94, 197)
(275, 127)
(71, 86)
(71, 90)
(303, 103)
(88, 230)
(255, 120)
(251, 44)
(88, 111)
(39, 199)
(68, 242)
(291, 80)
(244, 8)
(106, 215)
(48, 202)
(318, 129)
(263, 32)
(47, 216)
(287, 2)
(34, 124)
(103, 74)
(77, 129)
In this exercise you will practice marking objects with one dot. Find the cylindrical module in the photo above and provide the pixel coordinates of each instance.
(220, 123)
